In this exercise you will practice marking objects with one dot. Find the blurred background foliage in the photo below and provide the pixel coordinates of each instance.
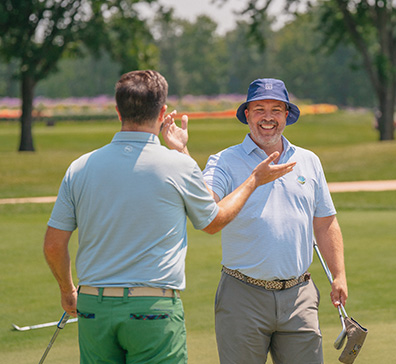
(196, 60)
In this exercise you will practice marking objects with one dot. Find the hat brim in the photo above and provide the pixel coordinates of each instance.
(294, 111)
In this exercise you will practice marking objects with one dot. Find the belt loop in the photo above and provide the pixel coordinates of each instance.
(100, 294)
(174, 296)
(125, 297)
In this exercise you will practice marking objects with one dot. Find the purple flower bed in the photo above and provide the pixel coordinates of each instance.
(103, 105)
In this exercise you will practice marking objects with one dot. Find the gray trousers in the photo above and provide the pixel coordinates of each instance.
(252, 321)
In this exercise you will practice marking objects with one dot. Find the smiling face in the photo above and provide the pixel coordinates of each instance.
(267, 120)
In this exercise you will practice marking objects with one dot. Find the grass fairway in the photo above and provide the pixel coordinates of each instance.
(348, 148)
(30, 294)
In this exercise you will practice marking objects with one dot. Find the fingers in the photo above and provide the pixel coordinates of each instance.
(184, 122)
(272, 157)
(338, 296)
(72, 313)
(169, 119)
(172, 114)
(282, 169)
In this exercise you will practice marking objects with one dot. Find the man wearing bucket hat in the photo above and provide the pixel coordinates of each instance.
(266, 301)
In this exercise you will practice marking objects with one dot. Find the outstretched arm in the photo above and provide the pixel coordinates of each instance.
(230, 205)
(176, 138)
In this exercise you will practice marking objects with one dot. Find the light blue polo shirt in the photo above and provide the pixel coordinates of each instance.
(272, 237)
(130, 201)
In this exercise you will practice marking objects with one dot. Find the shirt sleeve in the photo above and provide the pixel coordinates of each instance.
(63, 216)
(201, 208)
(323, 201)
(216, 177)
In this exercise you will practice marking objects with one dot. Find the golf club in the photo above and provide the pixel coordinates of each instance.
(40, 326)
(61, 325)
(339, 342)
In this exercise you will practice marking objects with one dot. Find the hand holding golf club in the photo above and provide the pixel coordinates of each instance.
(351, 329)
(69, 301)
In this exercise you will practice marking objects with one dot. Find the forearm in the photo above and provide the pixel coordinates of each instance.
(330, 243)
(57, 256)
(231, 205)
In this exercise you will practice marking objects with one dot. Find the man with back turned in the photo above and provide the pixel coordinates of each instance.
(130, 201)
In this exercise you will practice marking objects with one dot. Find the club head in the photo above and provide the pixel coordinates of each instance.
(16, 327)
(339, 342)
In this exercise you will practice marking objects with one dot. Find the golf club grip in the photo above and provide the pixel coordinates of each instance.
(63, 320)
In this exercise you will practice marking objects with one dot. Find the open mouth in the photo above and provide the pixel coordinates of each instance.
(267, 126)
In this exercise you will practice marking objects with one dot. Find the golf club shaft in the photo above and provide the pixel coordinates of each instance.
(61, 325)
(49, 345)
(40, 326)
(328, 273)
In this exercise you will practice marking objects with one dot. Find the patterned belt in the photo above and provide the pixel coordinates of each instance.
(269, 285)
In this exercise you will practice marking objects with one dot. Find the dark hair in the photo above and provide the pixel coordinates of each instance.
(140, 96)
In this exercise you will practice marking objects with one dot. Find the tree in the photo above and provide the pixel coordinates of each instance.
(192, 56)
(37, 33)
(247, 60)
(202, 54)
(313, 72)
(368, 25)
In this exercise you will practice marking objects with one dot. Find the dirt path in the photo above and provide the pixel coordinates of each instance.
(389, 185)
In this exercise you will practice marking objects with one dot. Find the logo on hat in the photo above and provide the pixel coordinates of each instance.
(268, 86)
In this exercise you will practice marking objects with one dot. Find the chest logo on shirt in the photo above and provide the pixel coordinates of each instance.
(301, 180)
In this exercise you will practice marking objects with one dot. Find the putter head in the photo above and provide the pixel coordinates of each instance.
(339, 342)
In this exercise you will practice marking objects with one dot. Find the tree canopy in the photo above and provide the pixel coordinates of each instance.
(366, 24)
(313, 59)
(36, 34)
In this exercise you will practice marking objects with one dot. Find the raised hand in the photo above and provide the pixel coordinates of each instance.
(266, 172)
(175, 137)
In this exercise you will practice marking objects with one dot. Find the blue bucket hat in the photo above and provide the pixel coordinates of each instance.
(268, 89)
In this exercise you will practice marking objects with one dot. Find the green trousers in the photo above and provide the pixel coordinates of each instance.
(137, 330)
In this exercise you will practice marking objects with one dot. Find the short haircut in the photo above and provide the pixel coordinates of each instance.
(140, 96)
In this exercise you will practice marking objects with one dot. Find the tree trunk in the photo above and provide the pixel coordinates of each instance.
(386, 120)
(27, 92)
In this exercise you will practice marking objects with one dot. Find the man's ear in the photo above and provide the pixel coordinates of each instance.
(161, 116)
(118, 113)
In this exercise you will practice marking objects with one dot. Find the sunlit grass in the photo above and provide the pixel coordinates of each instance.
(349, 150)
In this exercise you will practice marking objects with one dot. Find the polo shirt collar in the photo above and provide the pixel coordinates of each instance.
(135, 136)
(250, 146)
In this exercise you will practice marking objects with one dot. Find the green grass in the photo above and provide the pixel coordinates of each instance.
(30, 294)
(345, 141)
(346, 144)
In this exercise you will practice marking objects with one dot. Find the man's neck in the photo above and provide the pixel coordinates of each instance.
(140, 128)
(269, 149)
